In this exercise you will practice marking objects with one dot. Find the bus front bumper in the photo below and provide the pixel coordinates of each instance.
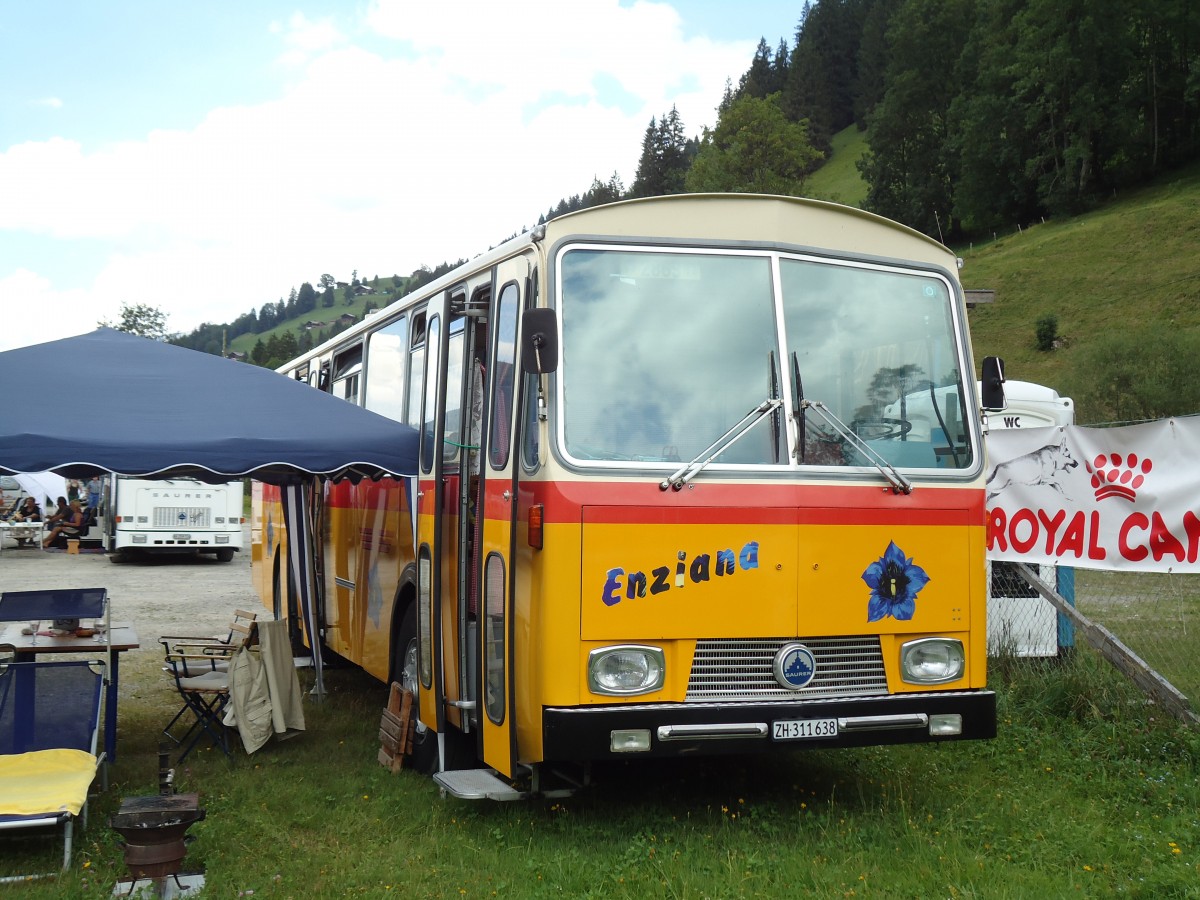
(682, 729)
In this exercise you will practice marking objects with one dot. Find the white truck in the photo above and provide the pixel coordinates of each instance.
(1020, 622)
(177, 515)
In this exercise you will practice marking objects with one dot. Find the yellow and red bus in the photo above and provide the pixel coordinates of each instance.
(670, 500)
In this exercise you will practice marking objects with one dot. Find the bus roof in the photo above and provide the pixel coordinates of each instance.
(760, 221)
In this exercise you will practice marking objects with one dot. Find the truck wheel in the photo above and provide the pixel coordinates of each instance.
(225, 554)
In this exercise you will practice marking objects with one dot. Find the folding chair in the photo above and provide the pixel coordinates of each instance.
(49, 725)
(214, 650)
(199, 666)
(204, 696)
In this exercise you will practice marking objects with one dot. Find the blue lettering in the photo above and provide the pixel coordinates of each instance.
(748, 559)
(660, 580)
(636, 586)
(612, 587)
(725, 560)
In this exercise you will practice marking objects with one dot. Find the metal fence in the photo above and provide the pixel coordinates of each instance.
(1154, 615)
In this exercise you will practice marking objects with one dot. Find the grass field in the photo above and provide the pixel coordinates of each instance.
(1085, 793)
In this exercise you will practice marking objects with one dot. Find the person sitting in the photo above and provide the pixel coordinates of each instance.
(59, 514)
(28, 511)
(69, 527)
(25, 512)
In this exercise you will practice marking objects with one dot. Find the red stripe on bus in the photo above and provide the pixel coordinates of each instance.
(837, 504)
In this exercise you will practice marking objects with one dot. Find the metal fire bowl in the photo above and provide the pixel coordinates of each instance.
(153, 829)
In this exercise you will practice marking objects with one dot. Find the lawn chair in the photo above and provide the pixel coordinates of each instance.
(199, 667)
(49, 725)
(212, 652)
(204, 695)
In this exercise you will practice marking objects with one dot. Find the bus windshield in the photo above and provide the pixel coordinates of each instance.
(663, 351)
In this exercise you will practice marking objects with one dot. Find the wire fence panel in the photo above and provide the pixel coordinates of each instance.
(1156, 615)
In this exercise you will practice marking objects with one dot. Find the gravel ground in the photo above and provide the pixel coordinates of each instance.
(160, 595)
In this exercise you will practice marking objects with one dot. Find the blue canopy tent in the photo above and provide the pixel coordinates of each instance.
(121, 403)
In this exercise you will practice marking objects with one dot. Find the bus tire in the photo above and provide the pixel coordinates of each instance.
(424, 757)
(118, 556)
(225, 554)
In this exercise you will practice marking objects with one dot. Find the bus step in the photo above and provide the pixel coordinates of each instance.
(476, 784)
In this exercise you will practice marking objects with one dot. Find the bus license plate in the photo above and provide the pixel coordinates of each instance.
(804, 729)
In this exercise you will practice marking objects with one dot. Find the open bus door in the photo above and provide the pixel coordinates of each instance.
(431, 525)
(494, 553)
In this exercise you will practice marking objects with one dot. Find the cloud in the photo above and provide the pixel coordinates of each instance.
(47, 102)
(433, 144)
(304, 38)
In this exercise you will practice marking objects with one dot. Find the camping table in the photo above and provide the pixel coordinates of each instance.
(20, 530)
(122, 637)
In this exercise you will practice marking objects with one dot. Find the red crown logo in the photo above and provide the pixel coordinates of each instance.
(1117, 476)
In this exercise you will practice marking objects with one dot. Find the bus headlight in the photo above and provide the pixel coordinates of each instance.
(624, 670)
(932, 660)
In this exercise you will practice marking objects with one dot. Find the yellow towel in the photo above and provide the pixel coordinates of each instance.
(45, 781)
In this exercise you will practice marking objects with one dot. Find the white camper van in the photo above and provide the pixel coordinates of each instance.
(1020, 622)
(178, 515)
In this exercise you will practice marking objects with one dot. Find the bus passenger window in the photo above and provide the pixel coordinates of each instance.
(385, 372)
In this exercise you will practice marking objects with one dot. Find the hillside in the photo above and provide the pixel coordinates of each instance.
(838, 179)
(1132, 266)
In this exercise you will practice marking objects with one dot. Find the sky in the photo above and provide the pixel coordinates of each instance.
(206, 158)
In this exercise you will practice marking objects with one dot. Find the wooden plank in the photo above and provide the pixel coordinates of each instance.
(391, 763)
(394, 698)
(396, 728)
(392, 725)
(410, 724)
(390, 744)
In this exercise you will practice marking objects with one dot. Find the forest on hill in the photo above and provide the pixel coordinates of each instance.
(978, 116)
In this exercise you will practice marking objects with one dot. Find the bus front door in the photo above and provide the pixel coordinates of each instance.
(498, 501)
(432, 559)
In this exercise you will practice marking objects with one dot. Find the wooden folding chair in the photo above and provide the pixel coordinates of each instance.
(204, 696)
(199, 667)
(213, 651)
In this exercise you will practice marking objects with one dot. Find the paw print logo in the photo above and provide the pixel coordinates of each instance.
(1114, 475)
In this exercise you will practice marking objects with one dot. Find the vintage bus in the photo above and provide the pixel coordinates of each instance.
(662, 506)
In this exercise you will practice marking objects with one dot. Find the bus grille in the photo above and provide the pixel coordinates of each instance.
(742, 669)
(182, 517)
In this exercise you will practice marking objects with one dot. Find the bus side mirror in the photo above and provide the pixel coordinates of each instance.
(991, 385)
(539, 341)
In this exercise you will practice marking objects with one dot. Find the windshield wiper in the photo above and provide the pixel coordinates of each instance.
(899, 483)
(688, 471)
(798, 410)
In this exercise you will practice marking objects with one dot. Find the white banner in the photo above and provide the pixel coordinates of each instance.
(1097, 498)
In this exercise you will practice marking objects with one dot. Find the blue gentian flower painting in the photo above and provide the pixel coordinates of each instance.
(895, 581)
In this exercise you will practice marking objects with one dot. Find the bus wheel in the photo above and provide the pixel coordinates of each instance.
(225, 554)
(404, 672)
